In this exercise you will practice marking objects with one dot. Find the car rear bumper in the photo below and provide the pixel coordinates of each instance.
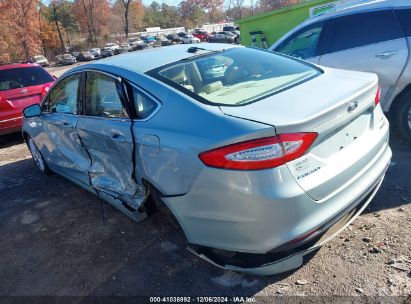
(258, 211)
(288, 259)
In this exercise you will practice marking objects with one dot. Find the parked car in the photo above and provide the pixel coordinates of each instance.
(236, 38)
(41, 60)
(96, 52)
(190, 39)
(123, 48)
(221, 37)
(201, 34)
(113, 47)
(372, 37)
(260, 165)
(21, 85)
(68, 59)
(137, 44)
(229, 28)
(174, 38)
(161, 41)
(85, 56)
(150, 40)
(59, 59)
(107, 52)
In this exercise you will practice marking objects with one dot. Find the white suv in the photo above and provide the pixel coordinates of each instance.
(373, 37)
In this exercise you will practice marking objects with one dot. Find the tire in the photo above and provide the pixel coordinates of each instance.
(403, 117)
(37, 157)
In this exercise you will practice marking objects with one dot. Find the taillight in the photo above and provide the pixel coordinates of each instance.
(377, 96)
(44, 90)
(257, 154)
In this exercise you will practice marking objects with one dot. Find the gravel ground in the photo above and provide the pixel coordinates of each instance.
(53, 242)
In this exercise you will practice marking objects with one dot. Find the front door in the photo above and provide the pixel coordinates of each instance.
(106, 132)
(61, 146)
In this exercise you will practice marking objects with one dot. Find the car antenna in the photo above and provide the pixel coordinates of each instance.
(195, 49)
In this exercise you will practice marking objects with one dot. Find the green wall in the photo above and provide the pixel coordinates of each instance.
(276, 23)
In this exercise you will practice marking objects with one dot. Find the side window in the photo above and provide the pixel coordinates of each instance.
(304, 43)
(102, 97)
(404, 16)
(363, 29)
(63, 97)
(144, 105)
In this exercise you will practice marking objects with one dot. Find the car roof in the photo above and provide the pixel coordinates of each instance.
(359, 6)
(146, 60)
(8, 66)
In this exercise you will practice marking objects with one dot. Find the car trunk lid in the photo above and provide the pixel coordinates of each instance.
(339, 106)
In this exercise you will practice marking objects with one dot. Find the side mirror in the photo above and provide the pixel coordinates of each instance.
(32, 111)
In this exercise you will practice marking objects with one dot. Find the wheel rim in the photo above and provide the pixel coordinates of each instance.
(38, 159)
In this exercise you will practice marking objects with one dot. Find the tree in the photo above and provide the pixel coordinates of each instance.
(93, 16)
(126, 4)
(274, 4)
(19, 31)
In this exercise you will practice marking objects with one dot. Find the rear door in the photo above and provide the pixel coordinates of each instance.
(106, 132)
(60, 143)
(368, 42)
(306, 43)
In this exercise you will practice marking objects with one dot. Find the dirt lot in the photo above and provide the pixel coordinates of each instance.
(53, 242)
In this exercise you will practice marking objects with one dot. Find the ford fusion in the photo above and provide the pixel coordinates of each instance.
(261, 158)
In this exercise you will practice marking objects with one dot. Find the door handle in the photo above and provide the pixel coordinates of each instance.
(118, 136)
(386, 54)
(63, 123)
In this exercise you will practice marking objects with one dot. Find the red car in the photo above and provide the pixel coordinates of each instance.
(201, 34)
(21, 85)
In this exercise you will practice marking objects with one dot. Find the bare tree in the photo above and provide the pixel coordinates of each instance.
(126, 4)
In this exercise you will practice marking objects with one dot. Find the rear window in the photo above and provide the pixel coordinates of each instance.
(234, 77)
(23, 77)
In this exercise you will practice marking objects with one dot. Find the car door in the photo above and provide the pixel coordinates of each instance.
(106, 132)
(305, 43)
(61, 146)
(369, 42)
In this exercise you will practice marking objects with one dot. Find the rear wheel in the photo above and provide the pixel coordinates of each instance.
(37, 157)
(403, 117)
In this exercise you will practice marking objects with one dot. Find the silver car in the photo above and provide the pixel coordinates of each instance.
(374, 36)
(260, 163)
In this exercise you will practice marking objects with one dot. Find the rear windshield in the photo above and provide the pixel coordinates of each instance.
(23, 77)
(236, 76)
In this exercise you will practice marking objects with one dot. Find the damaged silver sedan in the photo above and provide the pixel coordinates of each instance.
(260, 157)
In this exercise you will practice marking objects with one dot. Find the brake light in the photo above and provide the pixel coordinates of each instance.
(377, 96)
(257, 154)
(44, 90)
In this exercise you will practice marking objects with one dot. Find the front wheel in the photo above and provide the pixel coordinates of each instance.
(403, 117)
(37, 157)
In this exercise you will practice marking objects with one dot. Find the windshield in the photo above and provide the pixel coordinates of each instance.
(67, 56)
(235, 76)
(23, 77)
